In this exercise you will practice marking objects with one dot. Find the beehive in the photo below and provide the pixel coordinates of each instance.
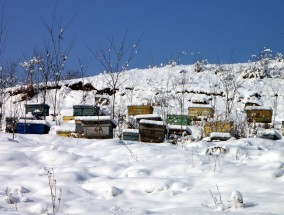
(66, 130)
(139, 109)
(130, 134)
(178, 119)
(99, 127)
(38, 110)
(259, 114)
(152, 131)
(33, 127)
(218, 126)
(11, 124)
(68, 118)
(197, 112)
(85, 110)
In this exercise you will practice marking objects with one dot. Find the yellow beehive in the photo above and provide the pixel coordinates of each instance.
(68, 118)
(64, 133)
(218, 126)
(139, 109)
(197, 112)
(259, 114)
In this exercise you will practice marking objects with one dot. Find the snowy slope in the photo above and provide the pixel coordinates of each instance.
(115, 177)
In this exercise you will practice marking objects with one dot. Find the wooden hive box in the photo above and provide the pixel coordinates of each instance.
(197, 112)
(25, 126)
(139, 109)
(154, 117)
(178, 119)
(86, 110)
(65, 130)
(68, 118)
(37, 110)
(218, 126)
(177, 131)
(98, 127)
(11, 124)
(259, 114)
(130, 134)
(152, 131)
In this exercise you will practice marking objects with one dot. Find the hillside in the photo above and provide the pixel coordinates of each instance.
(91, 176)
(256, 83)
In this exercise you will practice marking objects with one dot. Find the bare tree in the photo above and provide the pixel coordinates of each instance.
(83, 69)
(230, 85)
(180, 84)
(31, 77)
(14, 108)
(2, 47)
(115, 60)
(273, 93)
(57, 53)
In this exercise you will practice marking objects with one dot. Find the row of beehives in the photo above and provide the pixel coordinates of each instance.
(86, 122)
(98, 127)
(196, 112)
(151, 128)
(27, 126)
(32, 122)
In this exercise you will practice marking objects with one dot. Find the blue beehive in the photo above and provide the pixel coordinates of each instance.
(33, 127)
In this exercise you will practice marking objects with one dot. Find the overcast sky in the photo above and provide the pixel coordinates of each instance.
(222, 31)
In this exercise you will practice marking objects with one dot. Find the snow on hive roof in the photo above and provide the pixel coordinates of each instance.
(135, 131)
(152, 122)
(148, 116)
(253, 101)
(179, 127)
(95, 118)
(197, 98)
(200, 106)
(220, 135)
(258, 108)
(69, 127)
(30, 121)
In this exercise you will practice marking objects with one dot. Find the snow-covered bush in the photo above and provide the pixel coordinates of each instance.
(236, 200)
(279, 57)
(257, 70)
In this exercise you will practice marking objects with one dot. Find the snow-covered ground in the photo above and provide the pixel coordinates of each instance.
(103, 177)
(244, 176)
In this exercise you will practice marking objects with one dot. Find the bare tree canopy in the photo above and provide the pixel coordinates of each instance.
(115, 59)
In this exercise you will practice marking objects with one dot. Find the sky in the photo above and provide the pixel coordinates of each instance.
(221, 31)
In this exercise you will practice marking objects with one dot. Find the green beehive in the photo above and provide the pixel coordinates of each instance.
(86, 110)
(37, 109)
(178, 119)
(130, 134)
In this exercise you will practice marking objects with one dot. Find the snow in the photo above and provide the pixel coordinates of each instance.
(197, 98)
(146, 116)
(67, 127)
(112, 176)
(135, 131)
(96, 118)
(200, 106)
(177, 127)
(258, 108)
(152, 122)
(101, 176)
(31, 121)
(220, 135)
